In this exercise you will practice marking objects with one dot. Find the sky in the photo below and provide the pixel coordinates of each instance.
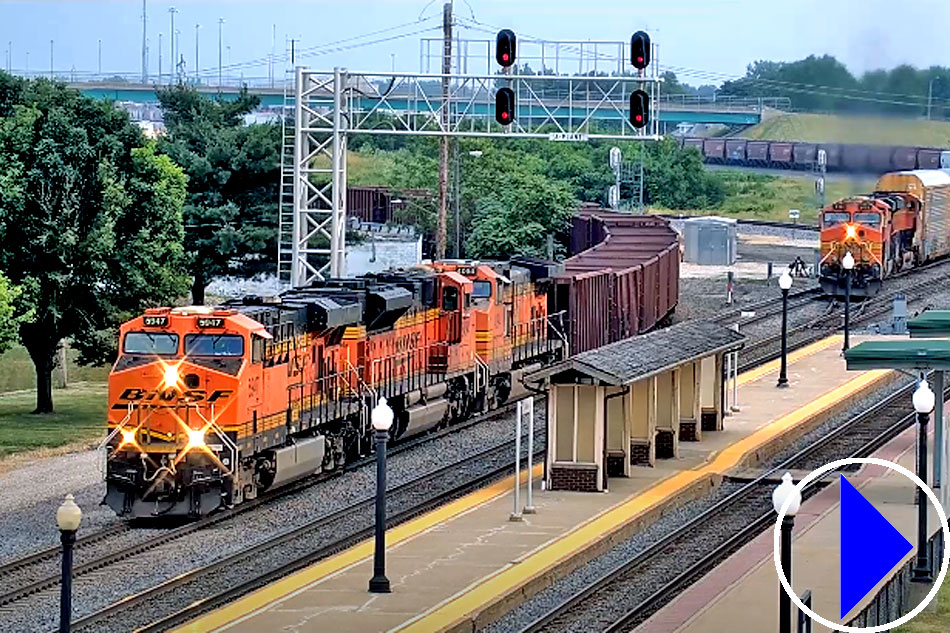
(704, 41)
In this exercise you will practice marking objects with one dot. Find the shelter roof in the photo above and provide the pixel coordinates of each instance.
(915, 354)
(930, 324)
(647, 355)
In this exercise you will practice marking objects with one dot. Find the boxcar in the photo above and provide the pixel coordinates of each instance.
(780, 155)
(904, 158)
(804, 155)
(928, 159)
(855, 157)
(714, 150)
(735, 150)
(696, 143)
(881, 159)
(757, 152)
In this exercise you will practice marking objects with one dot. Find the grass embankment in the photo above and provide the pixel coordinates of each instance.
(767, 197)
(79, 419)
(80, 409)
(937, 621)
(852, 129)
(16, 371)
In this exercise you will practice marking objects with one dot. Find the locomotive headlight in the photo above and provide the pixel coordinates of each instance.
(128, 437)
(196, 438)
(171, 376)
(851, 232)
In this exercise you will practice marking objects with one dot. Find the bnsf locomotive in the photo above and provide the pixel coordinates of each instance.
(903, 224)
(210, 406)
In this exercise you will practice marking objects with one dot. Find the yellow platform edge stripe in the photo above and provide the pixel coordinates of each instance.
(293, 584)
(456, 609)
(793, 357)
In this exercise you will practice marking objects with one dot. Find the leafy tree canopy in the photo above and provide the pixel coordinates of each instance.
(90, 220)
(233, 170)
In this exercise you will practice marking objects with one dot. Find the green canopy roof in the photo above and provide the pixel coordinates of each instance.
(930, 324)
(900, 354)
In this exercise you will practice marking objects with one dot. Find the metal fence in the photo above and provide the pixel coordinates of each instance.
(892, 601)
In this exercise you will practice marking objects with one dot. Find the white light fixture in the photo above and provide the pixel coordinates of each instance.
(785, 491)
(924, 398)
(785, 281)
(170, 379)
(475, 152)
(382, 416)
(69, 515)
(196, 438)
(848, 261)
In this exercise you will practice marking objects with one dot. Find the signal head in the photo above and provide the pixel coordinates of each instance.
(639, 109)
(505, 106)
(640, 50)
(505, 47)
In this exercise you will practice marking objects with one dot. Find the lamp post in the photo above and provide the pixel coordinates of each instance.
(68, 517)
(786, 492)
(924, 400)
(382, 417)
(785, 283)
(848, 263)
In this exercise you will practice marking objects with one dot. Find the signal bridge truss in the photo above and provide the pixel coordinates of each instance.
(330, 107)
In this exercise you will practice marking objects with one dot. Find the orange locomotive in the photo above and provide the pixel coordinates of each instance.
(210, 406)
(903, 224)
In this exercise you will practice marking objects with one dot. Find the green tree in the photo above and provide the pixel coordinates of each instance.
(9, 320)
(233, 170)
(90, 220)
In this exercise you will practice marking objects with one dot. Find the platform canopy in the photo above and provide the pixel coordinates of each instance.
(919, 354)
(930, 324)
(644, 356)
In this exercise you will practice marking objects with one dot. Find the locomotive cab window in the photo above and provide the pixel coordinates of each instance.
(868, 219)
(481, 290)
(833, 218)
(450, 299)
(214, 345)
(158, 343)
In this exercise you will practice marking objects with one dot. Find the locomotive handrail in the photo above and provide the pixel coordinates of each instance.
(101, 449)
(231, 446)
(561, 335)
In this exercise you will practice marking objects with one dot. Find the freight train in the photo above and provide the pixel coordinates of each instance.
(839, 157)
(209, 407)
(903, 224)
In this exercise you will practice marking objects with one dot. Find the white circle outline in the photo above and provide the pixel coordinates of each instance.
(881, 628)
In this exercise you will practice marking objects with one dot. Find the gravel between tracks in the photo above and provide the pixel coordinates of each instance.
(561, 590)
(97, 589)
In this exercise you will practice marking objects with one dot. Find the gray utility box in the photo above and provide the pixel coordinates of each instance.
(710, 241)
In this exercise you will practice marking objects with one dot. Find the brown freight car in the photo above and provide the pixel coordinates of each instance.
(630, 264)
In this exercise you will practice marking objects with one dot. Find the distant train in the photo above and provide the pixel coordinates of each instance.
(903, 224)
(804, 156)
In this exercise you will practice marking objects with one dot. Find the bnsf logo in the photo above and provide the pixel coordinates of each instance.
(173, 395)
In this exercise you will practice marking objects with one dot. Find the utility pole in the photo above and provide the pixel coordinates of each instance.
(197, 26)
(159, 57)
(171, 44)
(444, 140)
(144, 45)
(100, 58)
(293, 54)
(220, 41)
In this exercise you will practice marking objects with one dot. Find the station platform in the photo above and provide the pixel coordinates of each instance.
(465, 564)
(742, 593)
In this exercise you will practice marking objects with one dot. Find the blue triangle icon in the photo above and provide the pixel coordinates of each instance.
(870, 547)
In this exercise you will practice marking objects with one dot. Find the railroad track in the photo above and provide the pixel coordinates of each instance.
(767, 348)
(203, 588)
(39, 572)
(628, 594)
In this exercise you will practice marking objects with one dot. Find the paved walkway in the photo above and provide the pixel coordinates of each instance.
(741, 594)
(465, 561)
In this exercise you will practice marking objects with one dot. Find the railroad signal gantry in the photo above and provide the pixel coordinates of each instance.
(326, 108)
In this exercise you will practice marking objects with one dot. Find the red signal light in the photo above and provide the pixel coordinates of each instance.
(640, 59)
(504, 57)
(638, 118)
(504, 115)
